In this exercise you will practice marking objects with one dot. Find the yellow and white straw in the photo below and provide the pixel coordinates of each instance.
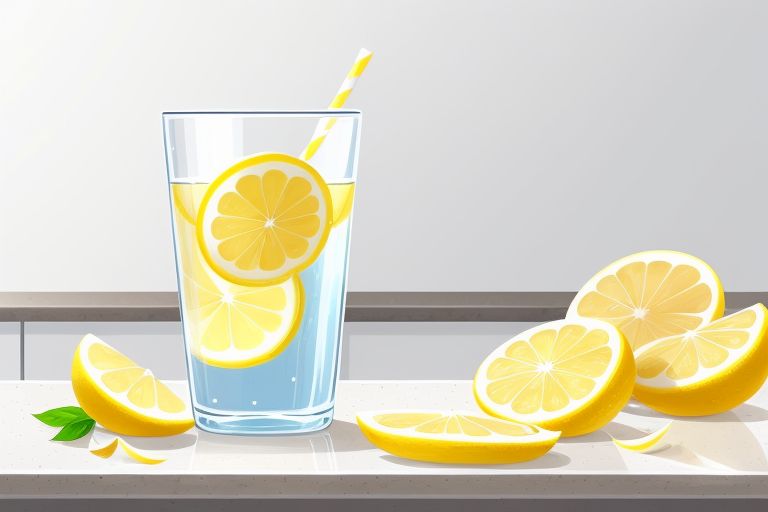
(324, 126)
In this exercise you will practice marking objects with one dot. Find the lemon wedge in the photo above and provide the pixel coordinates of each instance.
(652, 294)
(706, 370)
(186, 198)
(342, 196)
(122, 396)
(454, 437)
(264, 219)
(570, 375)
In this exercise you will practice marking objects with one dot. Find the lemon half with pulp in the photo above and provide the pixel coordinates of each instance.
(652, 294)
(570, 375)
(707, 370)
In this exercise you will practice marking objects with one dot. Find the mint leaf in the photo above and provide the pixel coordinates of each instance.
(61, 416)
(75, 430)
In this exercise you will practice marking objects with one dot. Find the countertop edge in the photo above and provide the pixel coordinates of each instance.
(360, 306)
(507, 485)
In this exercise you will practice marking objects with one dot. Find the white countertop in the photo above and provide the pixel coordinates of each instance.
(724, 455)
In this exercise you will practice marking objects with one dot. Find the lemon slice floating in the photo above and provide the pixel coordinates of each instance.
(233, 326)
(263, 219)
(122, 396)
(571, 375)
(707, 370)
(652, 294)
(342, 195)
(186, 197)
(455, 437)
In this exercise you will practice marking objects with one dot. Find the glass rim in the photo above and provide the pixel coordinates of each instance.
(265, 113)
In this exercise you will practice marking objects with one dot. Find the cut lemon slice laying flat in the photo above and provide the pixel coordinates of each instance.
(571, 375)
(454, 437)
(707, 370)
(652, 294)
(122, 396)
(263, 219)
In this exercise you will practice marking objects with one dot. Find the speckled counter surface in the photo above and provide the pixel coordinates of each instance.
(724, 456)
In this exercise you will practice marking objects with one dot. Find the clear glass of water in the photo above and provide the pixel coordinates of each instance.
(262, 318)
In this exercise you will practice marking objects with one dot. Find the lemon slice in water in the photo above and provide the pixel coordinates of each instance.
(264, 219)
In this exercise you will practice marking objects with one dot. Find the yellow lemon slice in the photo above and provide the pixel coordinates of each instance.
(652, 294)
(233, 326)
(706, 370)
(342, 196)
(571, 375)
(263, 219)
(455, 437)
(186, 198)
(122, 396)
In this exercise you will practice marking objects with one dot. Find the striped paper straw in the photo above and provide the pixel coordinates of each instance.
(324, 126)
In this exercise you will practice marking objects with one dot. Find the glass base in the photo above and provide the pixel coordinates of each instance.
(262, 424)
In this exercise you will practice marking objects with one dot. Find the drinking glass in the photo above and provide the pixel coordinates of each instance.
(262, 336)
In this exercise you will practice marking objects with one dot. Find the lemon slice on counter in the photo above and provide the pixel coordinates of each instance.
(707, 370)
(342, 196)
(264, 219)
(652, 294)
(122, 396)
(233, 326)
(570, 375)
(454, 437)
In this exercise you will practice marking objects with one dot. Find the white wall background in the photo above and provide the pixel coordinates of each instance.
(507, 145)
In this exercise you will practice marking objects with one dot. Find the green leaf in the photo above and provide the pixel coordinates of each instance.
(75, 430)
(61, 416)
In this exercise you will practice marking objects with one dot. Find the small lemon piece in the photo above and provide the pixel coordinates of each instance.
(652, 294)
(649, 443)
(454, 437)
(264, 219)
(122, 396)
(185, 198)
(570, 375)
(707, 370)
(342, 196)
